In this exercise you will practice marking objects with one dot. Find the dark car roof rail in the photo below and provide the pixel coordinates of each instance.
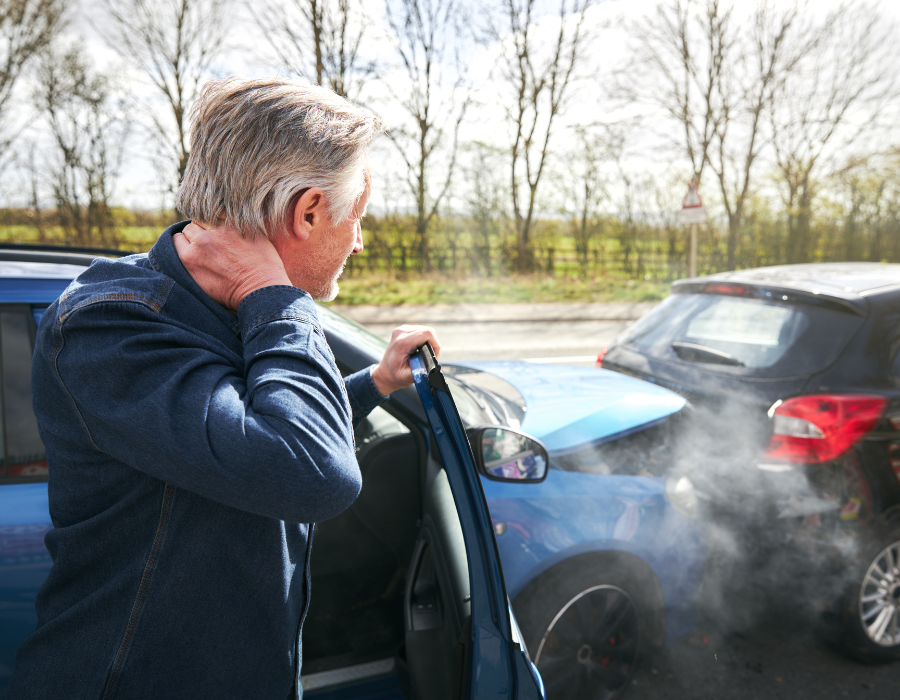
(841, 301)
(57, 254)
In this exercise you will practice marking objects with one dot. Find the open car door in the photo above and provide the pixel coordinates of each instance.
(452, 613)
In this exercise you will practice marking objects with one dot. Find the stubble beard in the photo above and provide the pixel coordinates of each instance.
(329, 290)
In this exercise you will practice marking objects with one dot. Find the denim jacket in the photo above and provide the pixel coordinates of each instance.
(189, 451)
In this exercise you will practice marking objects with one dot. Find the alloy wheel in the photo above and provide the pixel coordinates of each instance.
(879, 598)
(590, 648)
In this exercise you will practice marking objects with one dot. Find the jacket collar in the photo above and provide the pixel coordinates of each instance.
(164, 258)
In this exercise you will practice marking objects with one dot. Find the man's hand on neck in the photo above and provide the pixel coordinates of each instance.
(226, 265)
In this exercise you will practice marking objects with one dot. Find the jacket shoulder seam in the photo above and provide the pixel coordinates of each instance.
(155, 303)
(59, 341)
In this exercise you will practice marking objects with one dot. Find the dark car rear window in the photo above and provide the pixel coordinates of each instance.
(762, 338)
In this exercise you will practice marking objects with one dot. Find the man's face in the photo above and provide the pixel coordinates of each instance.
(317, 268)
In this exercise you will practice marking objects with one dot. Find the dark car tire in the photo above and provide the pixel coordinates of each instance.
(587, 621)
(879, 549)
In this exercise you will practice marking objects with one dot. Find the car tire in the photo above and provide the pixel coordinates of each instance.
(870, 608)
(586, 622)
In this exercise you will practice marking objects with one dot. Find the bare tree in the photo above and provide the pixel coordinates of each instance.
(766, 56)
(434, 100)
(88, 127)
(539, 68)
(843, 86)
(318, 39)
(718, 76)
(584, 184)
(485, 200)
(174, 43)
(26, 27)
(681, 55)
(685, 53)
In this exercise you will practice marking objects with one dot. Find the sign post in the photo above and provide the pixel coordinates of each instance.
(694, 213)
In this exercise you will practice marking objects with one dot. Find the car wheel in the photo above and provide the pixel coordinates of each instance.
(871, 606)
(585, 628)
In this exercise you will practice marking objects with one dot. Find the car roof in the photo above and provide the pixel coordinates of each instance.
(31, 274)
(39, 270)
(847, 283)
(857, 277)
(47, 262)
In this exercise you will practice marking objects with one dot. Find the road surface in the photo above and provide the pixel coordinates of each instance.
(564, 333)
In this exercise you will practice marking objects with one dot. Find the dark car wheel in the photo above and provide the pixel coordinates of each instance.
(585, 629)
(871, 605)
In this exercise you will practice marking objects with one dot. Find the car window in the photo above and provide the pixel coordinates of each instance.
(756, 337)
(758, 333)
(24, 456)
(483, 398)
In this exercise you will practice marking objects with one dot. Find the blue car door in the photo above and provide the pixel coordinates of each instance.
(495, 663)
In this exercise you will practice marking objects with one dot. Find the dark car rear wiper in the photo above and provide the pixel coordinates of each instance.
(700, 353)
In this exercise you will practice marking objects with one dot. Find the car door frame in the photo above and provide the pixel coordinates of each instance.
(498, 665)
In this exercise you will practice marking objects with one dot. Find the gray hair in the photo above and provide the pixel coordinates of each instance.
(255, 144)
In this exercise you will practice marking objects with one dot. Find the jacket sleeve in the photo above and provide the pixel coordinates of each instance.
(273, 437)
(364, 395)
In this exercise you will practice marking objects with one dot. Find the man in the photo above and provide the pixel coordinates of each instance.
(195, 421)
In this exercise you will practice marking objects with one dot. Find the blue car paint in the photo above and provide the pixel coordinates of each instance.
(572, 513)
(500, 669)
(571, 407)
(32, 291)
(24, 564)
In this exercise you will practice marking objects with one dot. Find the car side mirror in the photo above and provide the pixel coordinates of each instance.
(502, 454)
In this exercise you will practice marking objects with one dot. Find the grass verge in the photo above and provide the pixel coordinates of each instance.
(440, 289)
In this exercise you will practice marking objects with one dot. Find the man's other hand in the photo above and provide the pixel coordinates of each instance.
(393, 371)
(226, 265)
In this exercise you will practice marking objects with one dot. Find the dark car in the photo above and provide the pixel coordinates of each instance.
(794, 373)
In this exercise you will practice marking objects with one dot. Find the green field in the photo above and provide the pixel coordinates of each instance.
(441, 289)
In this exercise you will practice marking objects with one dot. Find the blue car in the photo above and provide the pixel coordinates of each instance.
(410, 601)
(592, 532)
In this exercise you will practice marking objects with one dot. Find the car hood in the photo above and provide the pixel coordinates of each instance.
(567, 407)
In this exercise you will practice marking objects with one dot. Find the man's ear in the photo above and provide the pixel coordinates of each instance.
(309, 213)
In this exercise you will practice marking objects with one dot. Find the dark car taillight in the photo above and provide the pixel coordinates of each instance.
(820, 427)
(601, 355)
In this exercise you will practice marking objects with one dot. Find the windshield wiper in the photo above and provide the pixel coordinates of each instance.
(700, 353)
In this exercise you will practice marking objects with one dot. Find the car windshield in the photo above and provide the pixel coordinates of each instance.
(483, 398)
(741, 335)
